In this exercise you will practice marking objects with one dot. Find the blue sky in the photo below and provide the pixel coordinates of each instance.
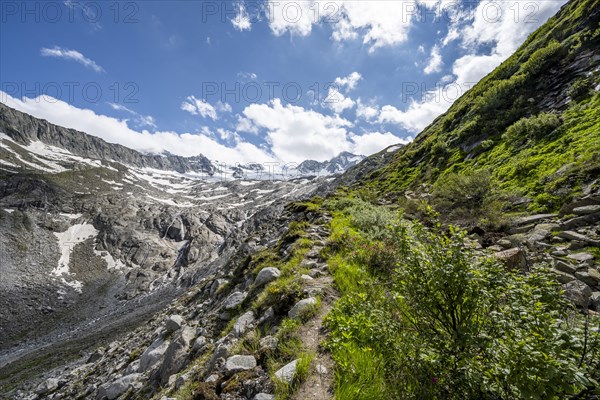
(254, 81)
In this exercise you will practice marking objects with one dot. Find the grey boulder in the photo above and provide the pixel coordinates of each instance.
(287, 372)
(114, 389)
(301, 307)
(266, 275)
(238, 363)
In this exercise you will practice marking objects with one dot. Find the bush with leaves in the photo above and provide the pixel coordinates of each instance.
(446, 323)
(470, 199)
(532, 128)
(481, 331)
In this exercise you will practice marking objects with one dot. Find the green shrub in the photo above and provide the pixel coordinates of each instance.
(487, 144)
(541, 59)
(370, 219)
(469, 198)
(447, 324)
(532, 128)
(580, 89)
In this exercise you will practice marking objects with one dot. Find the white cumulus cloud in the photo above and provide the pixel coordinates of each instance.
(373, 142)
(141, 120)
(348, 82)
(365, 111)
(241, 21)
(337, 102)
(435, 62)
(117, 131)
(380, 23)
(73, 55)
(199, 107)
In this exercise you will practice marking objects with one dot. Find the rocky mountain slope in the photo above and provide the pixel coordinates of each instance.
(132, 276)
(533, 122)
(24, 129)
(96, 236)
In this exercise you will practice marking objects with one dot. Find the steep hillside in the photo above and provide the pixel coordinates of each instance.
(534, 122)
(424, 272)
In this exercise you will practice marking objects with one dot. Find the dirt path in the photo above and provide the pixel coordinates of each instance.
(320, 381)
(319, 384)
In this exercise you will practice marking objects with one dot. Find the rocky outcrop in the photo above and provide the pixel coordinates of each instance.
(189, 344)
(24, 129)
(336, 165)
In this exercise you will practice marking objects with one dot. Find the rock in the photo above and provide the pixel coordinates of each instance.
(581, 221)
(533, 218)
(590, 276)
(49, 385)
(174, 323)
(301, 307)
(212, 378)
(217, 224)
(576, 245)
(243, 323)
(268, 343)
(234, 300)
(321, 369)
(238, 363)
(114, 389)
(559, 253)
(565, 267)
(287, 373)
(562, 277)
(95, 356)
(176, 356)
(513, 259)
(308, 264)
(266, 275)
(586, 210)
(306, 278)
(517, 239)
(267, 316)
(521, 229)
(595, 298)
(572, 235)
(153, 354)
(587, 201)
(551, 227)
(313, 254)
(199, 343)
(579, 293)
(133, 367)
(181, 380)
(505, 243)
(315, 273)
(581, 258)
(264, 396)
(538, 235)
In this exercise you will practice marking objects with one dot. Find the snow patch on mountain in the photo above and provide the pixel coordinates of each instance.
(66, 243)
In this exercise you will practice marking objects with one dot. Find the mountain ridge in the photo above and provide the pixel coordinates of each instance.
(24, 129)
(392, 280)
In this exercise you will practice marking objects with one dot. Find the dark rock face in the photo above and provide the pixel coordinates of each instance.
(24, 129)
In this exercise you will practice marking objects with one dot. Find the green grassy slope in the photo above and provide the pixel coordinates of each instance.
(534, 122)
